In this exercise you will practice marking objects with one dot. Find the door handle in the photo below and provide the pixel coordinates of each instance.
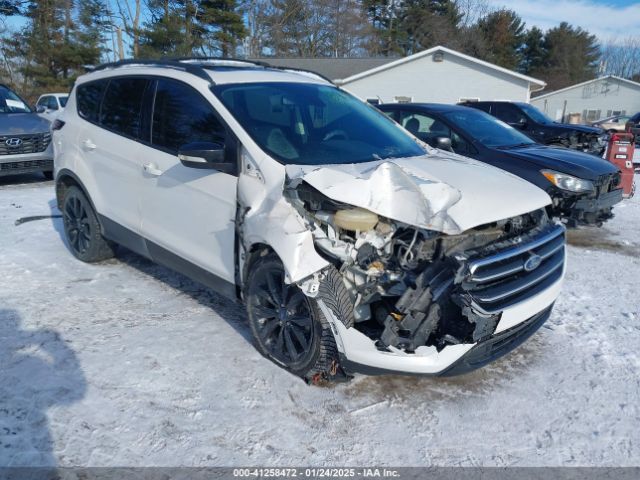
(152, 169)
(88, 145)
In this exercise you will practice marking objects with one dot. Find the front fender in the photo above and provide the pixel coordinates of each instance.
(269, 219)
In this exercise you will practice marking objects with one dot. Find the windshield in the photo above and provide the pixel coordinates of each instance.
(63, 101)
(309, 124)
(486, 129)
(12, 103)
(535, 114)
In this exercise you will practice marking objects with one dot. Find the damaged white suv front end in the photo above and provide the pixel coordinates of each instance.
(418, 262)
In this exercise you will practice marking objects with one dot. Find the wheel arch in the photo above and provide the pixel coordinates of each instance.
(66, 179)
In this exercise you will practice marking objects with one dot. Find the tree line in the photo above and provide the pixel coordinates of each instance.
(56, 39)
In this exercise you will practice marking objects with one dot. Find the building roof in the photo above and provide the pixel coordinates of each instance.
(346, 70)
(448, 51)
(577, 85)
(333, 68)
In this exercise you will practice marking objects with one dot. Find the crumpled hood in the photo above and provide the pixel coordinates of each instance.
(565, 160)
(442, 192)
(22, 123)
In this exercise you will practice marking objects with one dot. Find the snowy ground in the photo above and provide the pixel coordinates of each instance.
(128, 364)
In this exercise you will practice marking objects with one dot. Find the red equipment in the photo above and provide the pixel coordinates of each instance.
(620, 153)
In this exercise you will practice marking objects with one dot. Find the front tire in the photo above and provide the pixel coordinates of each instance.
(288, 327)
(82, 230)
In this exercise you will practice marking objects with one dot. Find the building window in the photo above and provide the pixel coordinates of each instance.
(590, 115)
(616, 113)
(468, 99)
(402, 99)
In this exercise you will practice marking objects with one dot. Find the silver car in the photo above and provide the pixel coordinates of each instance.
(25, 137)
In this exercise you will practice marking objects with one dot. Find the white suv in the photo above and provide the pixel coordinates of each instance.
(355, 247)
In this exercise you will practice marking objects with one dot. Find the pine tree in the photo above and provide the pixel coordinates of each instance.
(572, 54)
(222, 22)
(534, 54)
(503, 34)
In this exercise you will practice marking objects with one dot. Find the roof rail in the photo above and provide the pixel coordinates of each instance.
(169, 63)
(302, 70)
(192, 65)
(221, 59)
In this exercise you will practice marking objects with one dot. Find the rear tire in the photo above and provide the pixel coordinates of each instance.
(82, 229)
(288, 327)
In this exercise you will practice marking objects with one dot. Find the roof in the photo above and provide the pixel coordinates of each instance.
(333, 68)
(613, 77)
(446, 50)
(218, 70)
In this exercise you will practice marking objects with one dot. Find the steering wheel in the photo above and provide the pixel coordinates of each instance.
(338, 132)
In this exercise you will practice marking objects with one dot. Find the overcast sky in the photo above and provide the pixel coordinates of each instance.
(604, 18)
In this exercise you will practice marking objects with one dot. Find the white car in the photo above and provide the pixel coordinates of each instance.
(355, 247)
(51, 105)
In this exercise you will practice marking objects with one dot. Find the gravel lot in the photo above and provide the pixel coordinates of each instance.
(128, 364)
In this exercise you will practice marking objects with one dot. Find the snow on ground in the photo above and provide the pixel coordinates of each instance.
(128, 364)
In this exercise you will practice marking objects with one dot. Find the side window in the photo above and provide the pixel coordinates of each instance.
(43, 101)
(122, 105)
(181, 116)
(508, 113)
(89, 98)
(52, 103)
(485, 107)
(424, 127)
(460, 145)
(392, 114)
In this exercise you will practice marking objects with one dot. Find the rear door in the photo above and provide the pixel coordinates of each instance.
(188, 213)
(109, 142)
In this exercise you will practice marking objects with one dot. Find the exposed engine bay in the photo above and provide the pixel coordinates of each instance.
(408, 285)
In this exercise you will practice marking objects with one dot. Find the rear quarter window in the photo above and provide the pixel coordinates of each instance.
(89, 98)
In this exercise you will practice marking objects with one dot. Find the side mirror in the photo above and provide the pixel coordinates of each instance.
(41, 109)
(443, 143)
(206, 155)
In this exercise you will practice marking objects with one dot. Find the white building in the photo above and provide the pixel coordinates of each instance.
(438, 74)
(595, 99)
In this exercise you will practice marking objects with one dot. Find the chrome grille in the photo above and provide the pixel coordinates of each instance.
(32, 143)
(500, 279)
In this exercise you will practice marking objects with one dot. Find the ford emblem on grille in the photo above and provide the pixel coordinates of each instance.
(13, 142)
(532, 263)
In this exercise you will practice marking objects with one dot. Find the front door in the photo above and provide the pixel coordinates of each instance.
(188, 214)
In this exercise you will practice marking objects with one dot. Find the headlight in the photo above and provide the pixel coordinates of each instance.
(567, 182)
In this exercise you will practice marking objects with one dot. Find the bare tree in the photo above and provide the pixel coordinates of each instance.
(130, 18)
(621, 57)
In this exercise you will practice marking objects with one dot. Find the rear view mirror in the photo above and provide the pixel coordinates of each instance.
(206, 155)
(443, 143)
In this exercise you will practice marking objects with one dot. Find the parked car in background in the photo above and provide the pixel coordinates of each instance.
(616, 123)
(583, 188)
(536, 125)
(25, 139)
(354, 247)
(51, 104)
